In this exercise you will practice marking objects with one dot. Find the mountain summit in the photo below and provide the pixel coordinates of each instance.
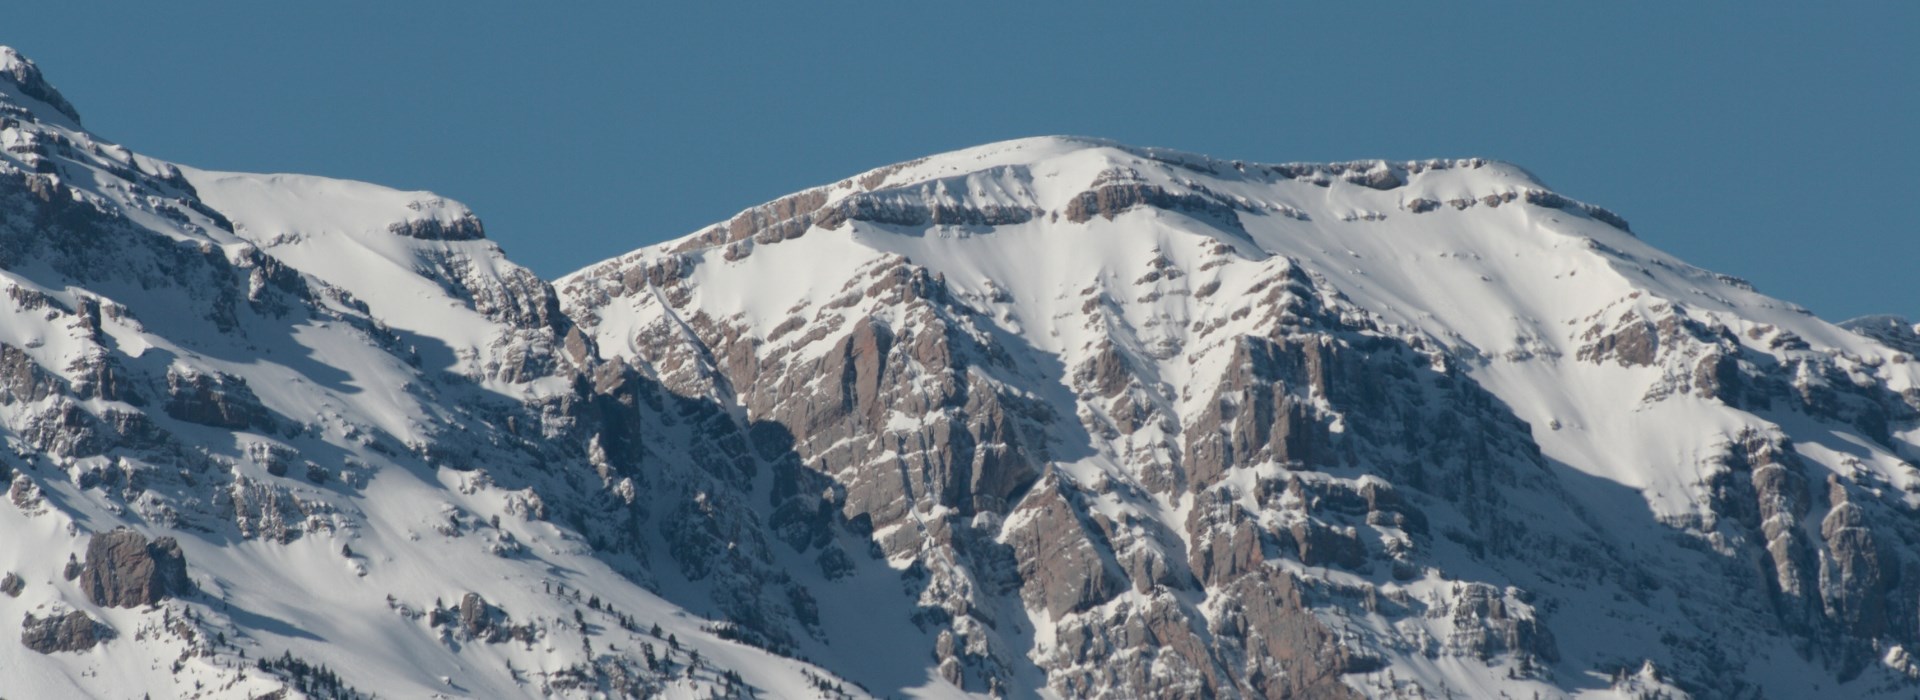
(28, 83)
(1054, 417)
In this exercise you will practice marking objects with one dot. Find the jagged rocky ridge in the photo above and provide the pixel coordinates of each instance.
(1047, 417)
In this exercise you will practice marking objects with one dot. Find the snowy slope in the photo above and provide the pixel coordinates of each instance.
(420, 262)
(353, 415)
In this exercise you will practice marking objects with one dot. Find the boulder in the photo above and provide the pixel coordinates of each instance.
(74, 631)
(124, 570)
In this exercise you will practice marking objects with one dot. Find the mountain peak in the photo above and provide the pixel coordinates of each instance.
(25, 77)
(1165, 362)
(1076, 178)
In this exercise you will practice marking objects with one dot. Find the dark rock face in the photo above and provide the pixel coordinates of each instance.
(971, 455)
(778, 220)
(887, 419)
(215, 399)
(1291, 654)
(467, 227)
(1381, 177)
(12, 585)
(1637, 340)
(1260, 413)
(22, 380)
(1168, 654)
(126, 570)
(478, 620)
(74, 631)
(1106, 372)
(1485, 627)
(1854, 578)
(1325, 545)
(1608, 217)
(1764, 489)
(1064, 564)
(1113, 195)
(1552, 200)
(910, 212)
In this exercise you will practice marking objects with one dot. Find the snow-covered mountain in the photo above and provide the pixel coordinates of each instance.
(372, 456)
(1049, 417)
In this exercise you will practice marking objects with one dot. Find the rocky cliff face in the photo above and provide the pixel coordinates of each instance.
(1052, 417)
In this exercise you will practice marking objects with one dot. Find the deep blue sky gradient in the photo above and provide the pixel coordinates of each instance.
(1775, 141)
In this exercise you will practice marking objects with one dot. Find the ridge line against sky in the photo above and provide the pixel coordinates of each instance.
(1767, 141)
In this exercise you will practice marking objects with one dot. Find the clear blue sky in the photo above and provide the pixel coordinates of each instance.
(1775, 141)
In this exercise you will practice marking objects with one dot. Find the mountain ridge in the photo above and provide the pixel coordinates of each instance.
(1377, 174)
(1046, 417)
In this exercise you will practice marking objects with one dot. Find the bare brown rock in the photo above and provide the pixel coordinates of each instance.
(125, 570)
(22, 380)
(1322, 545)
(1064, 565)
(1292, 655)
(1258, 414)
(1106, 373)
(1110, 200)
(1226, 542)
(74, 631)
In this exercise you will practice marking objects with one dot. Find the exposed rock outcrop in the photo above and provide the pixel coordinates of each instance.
(124, 569)
(71, 632)
(466, 227)
(1115, 192)
(1065, 566)
(214, 399)
(474, 619)
(910, 212)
